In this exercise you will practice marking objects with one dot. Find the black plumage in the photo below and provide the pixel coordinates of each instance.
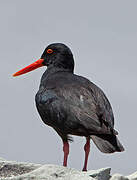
(73, 105)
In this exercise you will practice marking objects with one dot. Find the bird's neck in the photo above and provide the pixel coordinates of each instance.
(52, 70)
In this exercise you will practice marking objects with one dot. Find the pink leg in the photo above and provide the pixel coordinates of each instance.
(87, 149)
(66, 152)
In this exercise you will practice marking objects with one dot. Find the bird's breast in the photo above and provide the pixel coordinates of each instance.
(45, 97)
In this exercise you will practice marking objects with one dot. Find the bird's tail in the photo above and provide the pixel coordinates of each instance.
(107, 143)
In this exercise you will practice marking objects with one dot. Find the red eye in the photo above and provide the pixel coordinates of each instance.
(49, 51)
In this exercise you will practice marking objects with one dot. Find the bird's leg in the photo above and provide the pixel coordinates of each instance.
(87, 149)
(66, 152)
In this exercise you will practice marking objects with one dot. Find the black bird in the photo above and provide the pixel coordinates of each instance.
(71, 104)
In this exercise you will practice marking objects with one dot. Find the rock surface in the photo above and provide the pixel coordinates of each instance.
(11, 170)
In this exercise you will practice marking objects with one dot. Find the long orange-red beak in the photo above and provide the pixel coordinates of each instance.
(30, 67)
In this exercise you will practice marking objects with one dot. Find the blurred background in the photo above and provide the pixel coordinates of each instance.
(103, 38)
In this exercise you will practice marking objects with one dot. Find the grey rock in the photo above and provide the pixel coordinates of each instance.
(118, 177)
(12, 170)
(100, 174)
(121, 177)
(53, 172)
(133, 176)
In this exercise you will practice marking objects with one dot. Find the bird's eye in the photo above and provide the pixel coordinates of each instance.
(49, 51)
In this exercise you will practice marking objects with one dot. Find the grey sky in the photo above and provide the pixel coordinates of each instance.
(103, 39)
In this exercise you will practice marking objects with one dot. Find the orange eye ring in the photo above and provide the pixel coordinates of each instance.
(49, 51)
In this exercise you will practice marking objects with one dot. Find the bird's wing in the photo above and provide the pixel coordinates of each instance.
(89, 105)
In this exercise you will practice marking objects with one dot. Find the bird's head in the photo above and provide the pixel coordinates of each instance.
(55, 55)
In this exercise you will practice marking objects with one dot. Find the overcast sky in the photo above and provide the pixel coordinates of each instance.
(103, 38)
